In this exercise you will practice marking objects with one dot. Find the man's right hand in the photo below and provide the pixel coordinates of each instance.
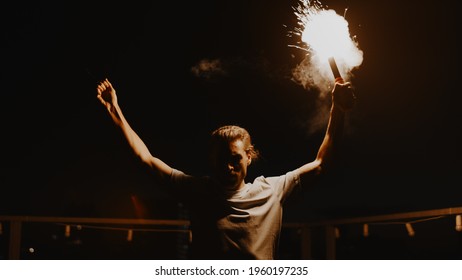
(343, 95)
(106, 94)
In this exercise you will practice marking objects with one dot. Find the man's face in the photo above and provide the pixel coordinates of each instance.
(229, 164)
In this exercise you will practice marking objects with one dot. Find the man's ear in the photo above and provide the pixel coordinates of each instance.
(249, 161)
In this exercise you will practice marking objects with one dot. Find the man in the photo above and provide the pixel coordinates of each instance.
(232, 218)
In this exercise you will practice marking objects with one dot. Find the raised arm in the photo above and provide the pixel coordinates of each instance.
(106, 94)
(342, 100)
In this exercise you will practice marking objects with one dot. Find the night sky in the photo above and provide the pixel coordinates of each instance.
(62, 156)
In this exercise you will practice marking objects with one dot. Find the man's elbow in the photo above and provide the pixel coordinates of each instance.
(319, 166)
(323, 165)
(314, 168)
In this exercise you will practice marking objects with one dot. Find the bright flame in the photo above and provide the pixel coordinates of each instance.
(326, 35)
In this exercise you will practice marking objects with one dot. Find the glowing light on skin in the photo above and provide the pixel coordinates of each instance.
(327, 36)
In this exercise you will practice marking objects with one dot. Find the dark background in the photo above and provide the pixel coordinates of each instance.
(62, 156)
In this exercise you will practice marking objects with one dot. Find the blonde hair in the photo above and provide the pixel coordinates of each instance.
(229, 133)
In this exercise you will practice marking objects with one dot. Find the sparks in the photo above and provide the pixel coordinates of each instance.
(325, 35)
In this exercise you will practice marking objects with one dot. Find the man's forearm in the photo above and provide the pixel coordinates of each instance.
(333, 135)
(134, 141)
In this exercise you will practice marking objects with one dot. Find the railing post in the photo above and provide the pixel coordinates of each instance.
(306, 242)
(15, 240)
(330, 242)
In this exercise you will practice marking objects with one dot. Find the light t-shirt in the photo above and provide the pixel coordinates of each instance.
(244, 226)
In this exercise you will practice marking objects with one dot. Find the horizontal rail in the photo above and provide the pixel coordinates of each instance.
(391, 217)
(166, 222)
(80, 220)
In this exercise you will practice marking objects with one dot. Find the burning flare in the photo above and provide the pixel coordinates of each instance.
(329, 44)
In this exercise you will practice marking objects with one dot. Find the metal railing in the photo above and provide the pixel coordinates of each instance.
(305, 229)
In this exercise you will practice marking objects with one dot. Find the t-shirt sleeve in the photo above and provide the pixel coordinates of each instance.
(291, 181)
(181, 184)
(185, 186)
(283, 185)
